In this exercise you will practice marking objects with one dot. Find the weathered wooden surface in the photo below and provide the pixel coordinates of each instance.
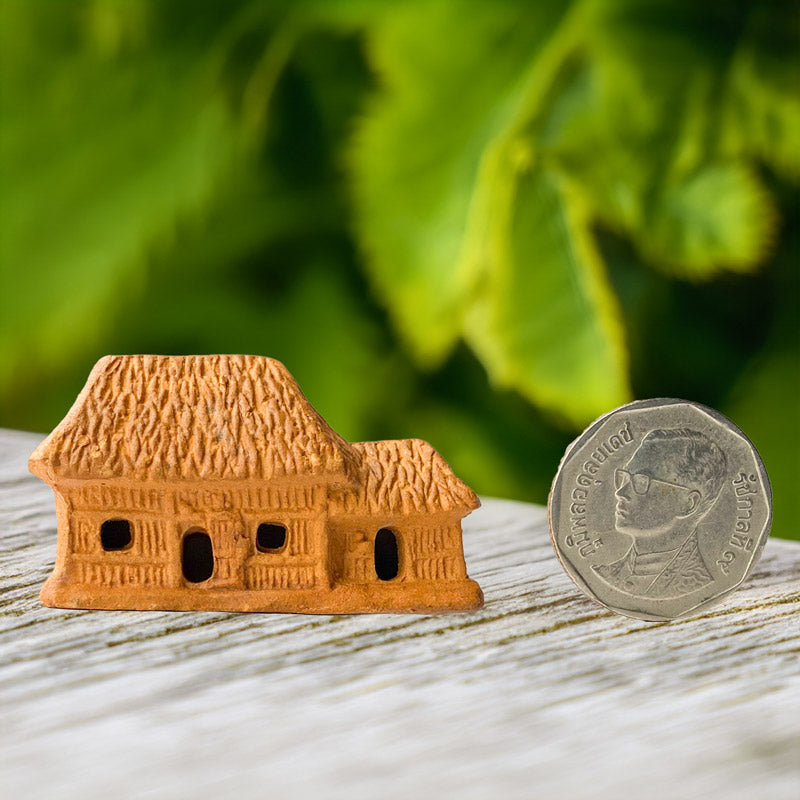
(541, 694)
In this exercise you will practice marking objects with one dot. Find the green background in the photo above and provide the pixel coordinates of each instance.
(478, 223)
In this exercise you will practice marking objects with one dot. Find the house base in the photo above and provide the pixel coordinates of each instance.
(420, 597)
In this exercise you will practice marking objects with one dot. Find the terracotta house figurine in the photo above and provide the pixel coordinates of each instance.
(210, 482)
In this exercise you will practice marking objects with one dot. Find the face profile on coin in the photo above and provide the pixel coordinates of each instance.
(660, 508)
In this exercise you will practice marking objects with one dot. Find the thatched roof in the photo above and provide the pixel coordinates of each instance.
(193, 417)
(406, 476)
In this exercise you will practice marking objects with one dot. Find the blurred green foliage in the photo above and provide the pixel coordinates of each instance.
(480, 223)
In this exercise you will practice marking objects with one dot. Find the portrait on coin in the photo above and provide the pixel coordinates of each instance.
(667, 486)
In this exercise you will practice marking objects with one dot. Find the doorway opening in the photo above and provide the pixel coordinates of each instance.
(387, 561)
(197, 557)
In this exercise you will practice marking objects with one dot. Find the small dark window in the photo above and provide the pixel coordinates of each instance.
(198, 557)
(386, 559)
(270, 536)
(115, 534)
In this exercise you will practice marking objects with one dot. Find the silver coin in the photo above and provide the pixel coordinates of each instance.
(660, 508)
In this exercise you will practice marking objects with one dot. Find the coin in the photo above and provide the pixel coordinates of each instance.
(660, 508)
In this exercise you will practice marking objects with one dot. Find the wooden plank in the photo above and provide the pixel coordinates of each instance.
(541, 693)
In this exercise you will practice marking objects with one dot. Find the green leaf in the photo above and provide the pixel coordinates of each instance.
(720, 217)
(421, 156)
(646, 128)
(459, 244)
(599, 129)
(549, 324)
(92, 186)
(762, 115)
(760, 109)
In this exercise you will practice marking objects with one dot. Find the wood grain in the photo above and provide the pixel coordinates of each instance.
(540, 694)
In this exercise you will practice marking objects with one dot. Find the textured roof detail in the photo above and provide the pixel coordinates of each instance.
(193, 417)
(405, 476)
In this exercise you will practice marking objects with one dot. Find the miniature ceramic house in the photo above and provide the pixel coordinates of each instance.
(210, 482)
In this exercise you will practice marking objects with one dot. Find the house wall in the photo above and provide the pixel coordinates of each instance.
(429, 547)
(160, 516)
